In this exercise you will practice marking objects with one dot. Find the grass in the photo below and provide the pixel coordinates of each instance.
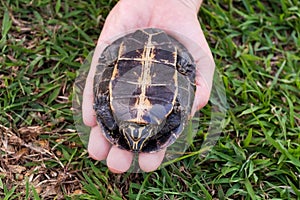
(256, 49)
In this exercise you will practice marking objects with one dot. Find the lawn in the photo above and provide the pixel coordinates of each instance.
(256, 47)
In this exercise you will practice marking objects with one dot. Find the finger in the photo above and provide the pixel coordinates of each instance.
(151, 161)
(98, 146)
(118, 160)
(201, 96)
(205, 67)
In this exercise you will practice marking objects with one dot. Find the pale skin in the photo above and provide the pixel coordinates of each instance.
(179, 16)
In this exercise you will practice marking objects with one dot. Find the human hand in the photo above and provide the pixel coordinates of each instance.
(179, 16)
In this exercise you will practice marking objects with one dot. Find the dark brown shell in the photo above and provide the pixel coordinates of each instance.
(145, 78)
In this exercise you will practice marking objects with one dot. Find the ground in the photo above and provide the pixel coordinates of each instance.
(255, 45)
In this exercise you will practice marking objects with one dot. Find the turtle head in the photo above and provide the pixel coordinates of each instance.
(137, 134)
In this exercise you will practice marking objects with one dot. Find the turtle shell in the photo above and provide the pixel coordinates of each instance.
(144, 89)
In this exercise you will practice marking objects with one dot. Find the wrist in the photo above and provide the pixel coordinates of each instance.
(192, 4)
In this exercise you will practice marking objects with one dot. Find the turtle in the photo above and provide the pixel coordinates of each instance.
(144, 88)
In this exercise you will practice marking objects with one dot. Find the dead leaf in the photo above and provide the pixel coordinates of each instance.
(17, 169)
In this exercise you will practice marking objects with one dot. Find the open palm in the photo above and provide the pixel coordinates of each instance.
(176, 18)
